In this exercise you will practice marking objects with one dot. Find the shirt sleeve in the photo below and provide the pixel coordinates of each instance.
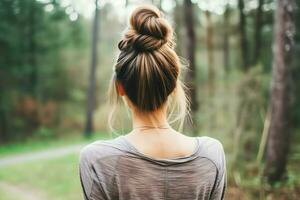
(221, 182)
(91, 187)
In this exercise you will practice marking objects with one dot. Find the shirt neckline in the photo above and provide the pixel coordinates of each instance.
(164, 160)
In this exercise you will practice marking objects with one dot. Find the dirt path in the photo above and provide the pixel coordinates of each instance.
(22, 193)
(42, 155)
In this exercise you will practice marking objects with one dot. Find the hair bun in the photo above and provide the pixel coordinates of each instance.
(148, 30)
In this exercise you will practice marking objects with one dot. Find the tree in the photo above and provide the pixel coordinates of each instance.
(243, 35)
(210, 52)
(160, 4)
(226, 38)
(279, 132)
(178, 19)
(258, 26)
(32, 48)
(296, 72)
(92, 77)
(190, 76)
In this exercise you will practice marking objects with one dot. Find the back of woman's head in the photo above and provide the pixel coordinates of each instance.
(148, 67)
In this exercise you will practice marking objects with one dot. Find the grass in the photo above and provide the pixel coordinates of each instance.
(56, 179)
(8, 196)
(34, 145)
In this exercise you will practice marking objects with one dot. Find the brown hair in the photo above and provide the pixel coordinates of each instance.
(148, 67)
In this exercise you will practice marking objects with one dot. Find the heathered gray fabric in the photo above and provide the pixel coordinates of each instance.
(115, 170)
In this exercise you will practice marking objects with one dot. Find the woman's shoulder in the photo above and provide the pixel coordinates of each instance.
(212, 149)
(210, 142)
(101, 149)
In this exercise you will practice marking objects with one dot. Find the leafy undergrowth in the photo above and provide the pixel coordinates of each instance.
(246, 183)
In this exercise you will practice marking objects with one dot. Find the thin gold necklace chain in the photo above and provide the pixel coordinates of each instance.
(152, 127)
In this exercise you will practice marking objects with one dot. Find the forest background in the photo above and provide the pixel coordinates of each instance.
(57, 57)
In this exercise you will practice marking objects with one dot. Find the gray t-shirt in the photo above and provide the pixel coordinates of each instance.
(115, 170)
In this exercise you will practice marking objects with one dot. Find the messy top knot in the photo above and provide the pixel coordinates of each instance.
(148, 67)
(148, 31)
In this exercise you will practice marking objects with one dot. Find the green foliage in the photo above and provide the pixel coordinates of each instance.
(31, 63)
(43, 132)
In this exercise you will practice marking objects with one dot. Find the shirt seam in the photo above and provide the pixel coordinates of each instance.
(166, 183)
(100, 183)
(217, 174)
(100, 186)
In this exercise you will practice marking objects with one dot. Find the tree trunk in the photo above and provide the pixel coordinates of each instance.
(4, 121)
(210, 57)
(278, 139)
(32, 50)
(32, 61)
(92, 78)
(177, 15)
(190, 76)
(243, 35)
(258, 31)
(160, 5)
(226, 39)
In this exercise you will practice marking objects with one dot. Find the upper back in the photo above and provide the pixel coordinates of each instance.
(114, 169)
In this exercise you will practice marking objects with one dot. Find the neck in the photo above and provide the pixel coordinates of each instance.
(156, 118)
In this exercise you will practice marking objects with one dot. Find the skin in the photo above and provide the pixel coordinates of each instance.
(156, 143)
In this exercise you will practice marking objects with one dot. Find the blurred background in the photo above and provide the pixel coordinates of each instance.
(56, 59)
